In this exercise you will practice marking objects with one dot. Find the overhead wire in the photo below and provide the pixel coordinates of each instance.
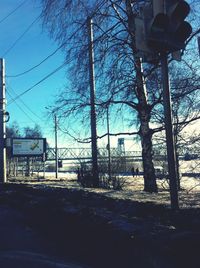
(37, 65)
(39, 82)
(8, 87)
(46, 77)
(7, 91)
(58, 68)
(45, 59)
(27, 115)
(20, 37)
(56, 50)
(13, 11)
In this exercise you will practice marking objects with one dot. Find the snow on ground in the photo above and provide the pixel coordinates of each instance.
(189, 166)
(189, 196)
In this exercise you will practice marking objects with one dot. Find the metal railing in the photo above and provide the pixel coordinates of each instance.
(85, 153)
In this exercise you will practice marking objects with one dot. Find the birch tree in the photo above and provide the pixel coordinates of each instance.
(120, 78)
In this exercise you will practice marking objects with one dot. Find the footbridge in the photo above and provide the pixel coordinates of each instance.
(86, 154)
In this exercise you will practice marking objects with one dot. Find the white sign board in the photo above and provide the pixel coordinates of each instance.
(28, 147)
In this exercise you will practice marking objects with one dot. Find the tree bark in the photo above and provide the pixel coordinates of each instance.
(147, 157)
(144, 112)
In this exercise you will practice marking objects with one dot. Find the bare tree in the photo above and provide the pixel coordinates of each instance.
(34, 132)
(119, 74)
(185, 81)
(120, 79)
(13, 130)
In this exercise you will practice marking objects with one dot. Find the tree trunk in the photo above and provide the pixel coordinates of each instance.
(147, 157)
(178, 173)
(144, 112)
(177, 158)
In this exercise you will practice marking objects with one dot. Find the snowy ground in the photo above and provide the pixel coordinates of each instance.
(132, 188)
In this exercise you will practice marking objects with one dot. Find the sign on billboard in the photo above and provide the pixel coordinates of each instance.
(28, 147)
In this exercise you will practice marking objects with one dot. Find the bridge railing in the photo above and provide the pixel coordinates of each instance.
(86, 153)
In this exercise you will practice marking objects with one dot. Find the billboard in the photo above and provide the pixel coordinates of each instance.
(28, 146)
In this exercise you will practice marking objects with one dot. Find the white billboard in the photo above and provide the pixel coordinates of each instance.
(28, 147)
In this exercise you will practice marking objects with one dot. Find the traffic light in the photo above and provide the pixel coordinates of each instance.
(179, 29)
(165, 25)
(144, 34)
(156, 24)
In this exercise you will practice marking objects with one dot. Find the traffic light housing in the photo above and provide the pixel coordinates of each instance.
(180, 30)
(165, 25)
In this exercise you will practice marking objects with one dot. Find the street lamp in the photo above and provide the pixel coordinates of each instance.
(56, 142)
(108, 146)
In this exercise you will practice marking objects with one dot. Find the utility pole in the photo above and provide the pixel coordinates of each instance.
(56, 145)
(161, 29)
(171, 158)
(108, 131)
(3, 176)
(95, 171)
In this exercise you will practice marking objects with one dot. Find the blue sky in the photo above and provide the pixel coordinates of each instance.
(31, 49)
(21, 55)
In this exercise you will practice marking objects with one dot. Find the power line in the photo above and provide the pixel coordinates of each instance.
(28, 108)
(20, 37)
(61, 46)
(13, 11)
(37, 65)
(39, 82)
(58, 68)
(20, 107)
(49, 56)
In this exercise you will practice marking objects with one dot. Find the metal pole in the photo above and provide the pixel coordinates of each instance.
(3, 175)
(109, 158)
(56, 145)
(95, 171)
(169, 133)
(28, 166)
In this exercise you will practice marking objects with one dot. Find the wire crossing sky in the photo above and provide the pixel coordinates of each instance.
(34, 64)
(20, 37)
(13, 11)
